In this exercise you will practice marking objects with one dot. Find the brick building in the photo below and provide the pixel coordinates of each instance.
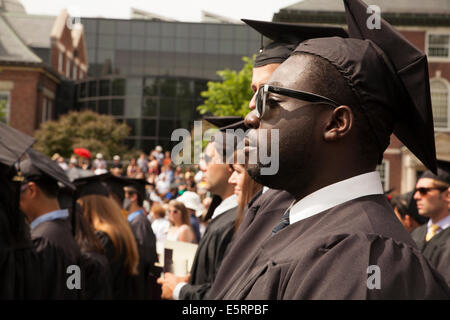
(40, 59)
(427, 25)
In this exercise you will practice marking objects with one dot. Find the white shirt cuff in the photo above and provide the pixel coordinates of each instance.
(177, 290)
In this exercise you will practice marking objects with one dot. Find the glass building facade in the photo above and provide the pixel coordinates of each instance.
(150, 73)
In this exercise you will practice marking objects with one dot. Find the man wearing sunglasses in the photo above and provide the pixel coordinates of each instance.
(335, 102)
(266, 209)
(433, 201)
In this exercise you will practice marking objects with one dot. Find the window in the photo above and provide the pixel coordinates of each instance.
(67, 68)
(104, 88)
(60, 62)
(74, 72)
(118, 87)
(439, 45)
(383, 170)
(92, 88)
(440, 103)
(4, 107)
(103, 107)
(117, 107)
(46, 109)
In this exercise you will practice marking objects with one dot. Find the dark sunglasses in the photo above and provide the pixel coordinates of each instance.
(424, 191)
(264, 90)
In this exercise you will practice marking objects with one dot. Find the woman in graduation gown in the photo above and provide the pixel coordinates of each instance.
(116, 237)
(19, 264)
(97, 280)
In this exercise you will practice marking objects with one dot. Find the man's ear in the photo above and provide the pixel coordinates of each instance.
(339, 124)
(134, 197)
(33, 189)
(446, 195)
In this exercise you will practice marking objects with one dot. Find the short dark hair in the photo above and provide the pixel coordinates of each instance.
(328, 82)
(140, 199)
(48, 186)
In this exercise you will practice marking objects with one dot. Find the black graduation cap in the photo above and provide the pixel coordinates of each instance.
(39, 167)
(443, 172)
(92, 185)
(115, 186)
(286, 36)
(414, 126)
(389, 78)
(136, 185)
(228, 122)
(13, 144)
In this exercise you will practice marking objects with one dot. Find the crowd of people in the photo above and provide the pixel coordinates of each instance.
(313, 230)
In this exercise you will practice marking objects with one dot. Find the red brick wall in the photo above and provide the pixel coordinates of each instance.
(417, 38)
(444, 67)
(395, 172)
(25, 100)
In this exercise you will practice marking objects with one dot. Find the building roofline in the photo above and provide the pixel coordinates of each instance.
(398, 19)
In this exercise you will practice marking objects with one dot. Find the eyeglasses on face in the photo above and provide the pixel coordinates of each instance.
(263, 92)
(424, 191)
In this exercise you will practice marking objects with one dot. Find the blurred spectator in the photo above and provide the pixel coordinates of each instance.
(194, 206)
(101, 169)
(160, 224)
(153, 165)
(162, 183)
(73, 163)
(132, 169)
(189, 177)
(167, 161)
(99, 160)
(117, 167)
(157, 153)
(143, 163)
(169, 173)
(152, 194)
(180, 226)
(85, 164)
(173, 193)
(61, 162)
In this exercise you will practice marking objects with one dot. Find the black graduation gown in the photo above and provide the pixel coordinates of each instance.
(120, 280)
(261, 216)
(96, 280)
(57, 250)
(145, 286)
(437, 250)
(19, 265)
(209, 255)
(326, 256)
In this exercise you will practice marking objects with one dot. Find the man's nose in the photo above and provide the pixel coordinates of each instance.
(252, 103)
(252, 120)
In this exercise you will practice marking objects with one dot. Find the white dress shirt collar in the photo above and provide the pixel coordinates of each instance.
(336, 194)
(225, 205)
(443, 224)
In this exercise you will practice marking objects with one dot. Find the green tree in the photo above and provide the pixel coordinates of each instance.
(87, 129)
(231, 95)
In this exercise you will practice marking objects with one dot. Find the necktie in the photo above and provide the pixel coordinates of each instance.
(431, 232)
(283, 224)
